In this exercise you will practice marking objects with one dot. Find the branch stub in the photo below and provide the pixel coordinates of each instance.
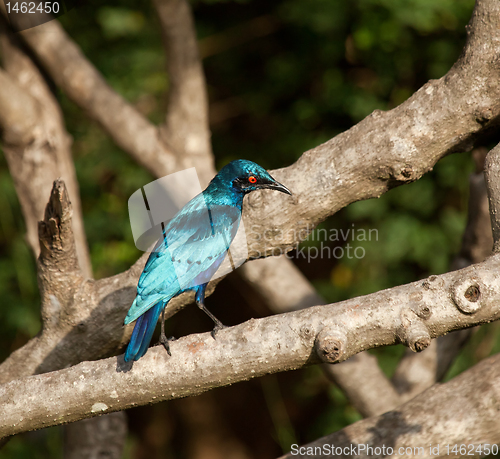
(331, 344)
(467, 295)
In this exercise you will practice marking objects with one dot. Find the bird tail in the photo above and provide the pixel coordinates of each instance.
(143, 332)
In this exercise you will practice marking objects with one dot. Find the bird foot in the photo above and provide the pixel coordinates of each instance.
(217, 329)
(166, 343)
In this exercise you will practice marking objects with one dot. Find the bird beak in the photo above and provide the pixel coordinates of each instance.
(277, 186)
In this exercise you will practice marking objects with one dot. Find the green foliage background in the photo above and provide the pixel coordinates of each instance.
(321, 67)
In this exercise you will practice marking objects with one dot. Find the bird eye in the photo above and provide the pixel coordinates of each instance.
(252, 179)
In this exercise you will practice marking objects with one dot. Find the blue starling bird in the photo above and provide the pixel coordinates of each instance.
(194, 244)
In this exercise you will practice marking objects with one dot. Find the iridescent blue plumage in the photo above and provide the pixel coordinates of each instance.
(194, 244)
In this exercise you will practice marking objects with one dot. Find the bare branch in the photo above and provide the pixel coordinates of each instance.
(492, 172)
(451, 414)
(96, 437)
(365, 384)
(281, 283)
(36, 144)
(66, 64)
(412, 314)
(186, 125)
(285, 289)
(391, 148)
(417, 372)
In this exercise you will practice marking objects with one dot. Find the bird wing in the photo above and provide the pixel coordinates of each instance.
(194, 245)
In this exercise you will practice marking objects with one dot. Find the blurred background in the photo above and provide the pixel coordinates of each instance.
(283, 77)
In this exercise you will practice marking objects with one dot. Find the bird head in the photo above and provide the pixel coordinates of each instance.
(246, 176)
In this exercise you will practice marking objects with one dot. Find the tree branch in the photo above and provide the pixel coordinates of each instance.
(186, 125)
(412, 314)
(417, 372)
(36, 144)
(83, 84)
(285, 289)
(454, 413)
(492, 173)
(102, 437)
(390, 148)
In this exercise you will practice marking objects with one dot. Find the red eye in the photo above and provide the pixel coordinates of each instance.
(252, 179)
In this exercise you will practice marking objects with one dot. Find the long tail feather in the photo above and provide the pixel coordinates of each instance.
(143, 332)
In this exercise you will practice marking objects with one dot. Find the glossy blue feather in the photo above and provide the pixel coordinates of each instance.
(194, 244)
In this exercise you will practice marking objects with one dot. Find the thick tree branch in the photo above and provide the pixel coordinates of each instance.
(36, 144)
(186, 125)
(285, 289)
(417, 372)
(390, 148)
(66, 64)
(412, 314)
(444, 116)
(456, 413)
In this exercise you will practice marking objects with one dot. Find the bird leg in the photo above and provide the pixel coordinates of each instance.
(163, 338)
(200, 302)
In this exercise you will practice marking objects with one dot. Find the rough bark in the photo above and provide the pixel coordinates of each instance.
(492, 171)
(285, 289)
(417, 372)
(35, 142)
(464, 411)
(384, 150)
(411, 314)
(446, 115)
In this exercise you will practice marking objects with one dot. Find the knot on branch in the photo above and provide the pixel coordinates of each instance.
(331, 344)
(54, 231)
(467, 294)
(483, 116)
(414, 333)
(402, 173)
(421, 309)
